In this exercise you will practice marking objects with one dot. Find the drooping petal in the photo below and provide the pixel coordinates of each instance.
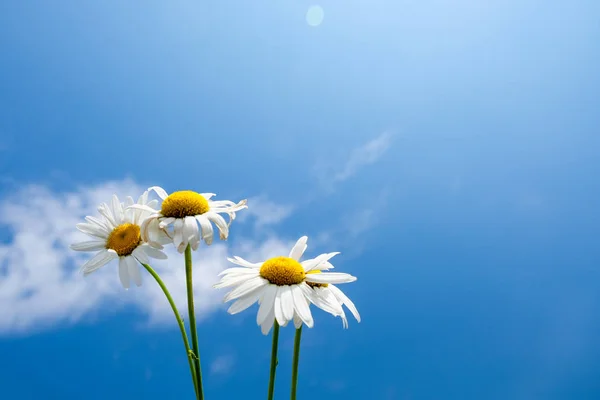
(301, 306)
(278, 309)
(206, 229)
(267, 324)
(345, 300)
(124, 272)
(287, 302)
(267, 303)
(178, 239)
(134, 270)
(141, 255)
(220, 223)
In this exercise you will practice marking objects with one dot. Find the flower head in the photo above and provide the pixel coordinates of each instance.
(281, 286)
(330, 292)
(117, 234)
(186, 217)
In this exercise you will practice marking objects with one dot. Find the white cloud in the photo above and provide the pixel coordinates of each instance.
(265, 212)
(365, 155)
(222, 365)
(40, 283)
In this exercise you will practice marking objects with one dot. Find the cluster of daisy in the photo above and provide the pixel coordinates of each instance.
(284, 287)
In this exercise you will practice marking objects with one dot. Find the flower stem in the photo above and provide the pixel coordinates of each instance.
(179, 322)
(273, 360)
(192, 315)
(297, 338)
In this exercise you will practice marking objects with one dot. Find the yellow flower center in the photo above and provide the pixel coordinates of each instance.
(124, 239)
(316, 285)
(282, 271)
(184, 204)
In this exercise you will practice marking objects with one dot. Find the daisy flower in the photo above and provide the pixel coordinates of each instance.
(186, 217)
(332, 293)
(281, 286)
(116, 235)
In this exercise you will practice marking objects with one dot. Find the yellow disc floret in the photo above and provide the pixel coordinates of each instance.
(282, 271)
(316, 285)
(184, 204)
(124, 239)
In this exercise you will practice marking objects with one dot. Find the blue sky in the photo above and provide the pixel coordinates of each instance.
(449, 150)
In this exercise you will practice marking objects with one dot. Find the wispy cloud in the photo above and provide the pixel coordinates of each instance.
(40, 283)
(265, 212)
(367, 154)
(222, 365)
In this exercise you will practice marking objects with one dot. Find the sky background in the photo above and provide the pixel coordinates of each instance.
(450, 150)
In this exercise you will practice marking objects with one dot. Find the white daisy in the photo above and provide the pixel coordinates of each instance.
(330, 291)
(117, 235)
(186, 217)
(281, 287)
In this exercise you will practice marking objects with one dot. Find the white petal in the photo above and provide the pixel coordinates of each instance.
(240, 261)
(345, 300)
(207, 196)
(220, 223)
(206, 229)
(134, 270)
(154, 253)
(124, 272)
(301, 306)
(332, 308)
(244, 302)
(297, 321)
(116, 209)
(178, 239)
(92, 230)
(102, 258)
(278, 309)
(287, 303)
(267, 324)
(141, 255)
(190, 228)
(315, 263)
(90, 245)
(103, 224)
(238, 270)
(142, 207)
(159, 191)
(234, 280)
(166, 221)
(266, 304)
(246, 288)
(330, 277)
(299, 248)
(106, 213)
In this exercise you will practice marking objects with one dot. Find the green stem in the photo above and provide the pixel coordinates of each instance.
(192, 315)
(295, 362)
(179, 322)
(273, 360)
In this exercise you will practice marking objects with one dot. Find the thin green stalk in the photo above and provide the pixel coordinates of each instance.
(273, 360)
(179, 322)
(192, 315)
(297, 338)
